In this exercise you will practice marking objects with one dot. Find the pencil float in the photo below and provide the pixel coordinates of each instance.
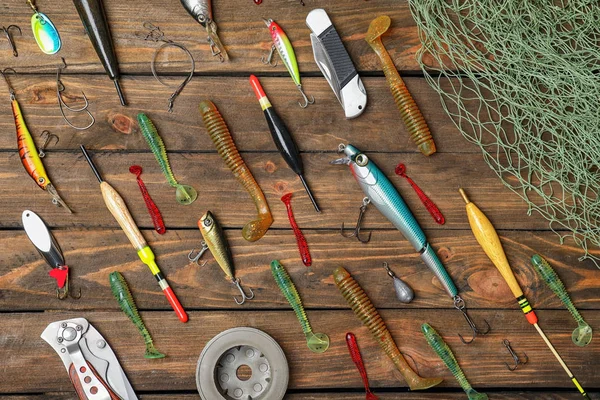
(282, 137)
(490, 242)
(117, 207)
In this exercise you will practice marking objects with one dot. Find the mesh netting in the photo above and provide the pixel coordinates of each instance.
(520, 80)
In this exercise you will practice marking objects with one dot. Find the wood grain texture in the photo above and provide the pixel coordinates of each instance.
(24, 350)
(240, 28)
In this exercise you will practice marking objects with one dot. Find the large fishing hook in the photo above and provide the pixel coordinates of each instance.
(11, 40)
(236, 283)
(305, 98)
(269, 60)
(514, 355)
(196, 258)
(459, 304)
(60, 87)
(358, 228)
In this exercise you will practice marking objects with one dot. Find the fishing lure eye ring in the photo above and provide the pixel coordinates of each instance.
(361, 160)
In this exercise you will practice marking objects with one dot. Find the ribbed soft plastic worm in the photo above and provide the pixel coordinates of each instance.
(411, 115)
(219, 133)
(157, 220)
(368, 315)
(445, 353)
(300, 239)
(582, 335)
(360, 365)
(184, 194)
(121, 291)
(316, 342)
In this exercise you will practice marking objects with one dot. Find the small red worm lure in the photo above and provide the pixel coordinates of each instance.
(157, 220)
(427, 202)
(300, 239)
(358, 361)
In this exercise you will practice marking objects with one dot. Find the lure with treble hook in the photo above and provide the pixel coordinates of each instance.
(29, 154)
(282, 44)
(582, 335)
(215, 241)
(183, 193)
(316, 342)
(380, 191)
(45, 243)
(201, 11)
(45, 33)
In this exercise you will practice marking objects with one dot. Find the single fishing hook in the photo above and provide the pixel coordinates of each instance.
(358, 228)
(63, 293)
(4, 73)
(197, 257)
(60, 87)
(269, 60)
(47, 136)
(10, 38)
(459, 304)
(514, 355)
(245, 297)
(305, 98)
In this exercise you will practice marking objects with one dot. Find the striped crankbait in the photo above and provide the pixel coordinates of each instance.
(282, 44)
(215, 241)
(184, 194)
(28, 152)
(380, 192)
(368, 315)
(582, 335)
(316, 342)
(445, 353)
(221, 137)
(45, 33)
(121, 291)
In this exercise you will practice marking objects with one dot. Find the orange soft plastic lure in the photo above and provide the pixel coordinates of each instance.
(219, 133)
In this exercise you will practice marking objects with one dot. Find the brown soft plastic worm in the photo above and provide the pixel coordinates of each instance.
(368, 315)
(411, 115)
(219, 133)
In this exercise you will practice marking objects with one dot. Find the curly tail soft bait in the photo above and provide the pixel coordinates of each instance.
(368, 315)
(219, 133)
(316, 342)
(121, 291)
(582, 335)
(443, 351)
(184, 194)
(411, 115)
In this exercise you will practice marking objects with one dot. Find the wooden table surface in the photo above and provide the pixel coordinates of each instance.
(94, 246)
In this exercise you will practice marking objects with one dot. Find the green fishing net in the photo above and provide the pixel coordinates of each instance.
(520, 79)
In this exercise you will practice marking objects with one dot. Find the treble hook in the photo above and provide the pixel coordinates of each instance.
(514, 355)
(357, 228)
(47, 139)
(269, 60)
(11, 41)
(195, 258)
(306, 101)
(60, 87)
(4, 72)
(459, 304)
(236, 283)
(63, 293)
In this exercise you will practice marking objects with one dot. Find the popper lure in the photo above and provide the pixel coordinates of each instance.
(28, 153)
(45, 33)
(183, 193)
(282, 44)
(380, 191)
(582, 335)
(201, 11)
(488, 239)
(121, 291)
(368, 315)
(221, 137)
(316, 342)
(216, 242)
(443, 351)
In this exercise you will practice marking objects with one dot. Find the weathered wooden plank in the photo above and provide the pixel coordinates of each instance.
(93, 254)
(334, 187)
(319, 127)
(23, 350)
(240, 28)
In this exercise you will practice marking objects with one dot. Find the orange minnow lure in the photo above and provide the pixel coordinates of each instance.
(29, 153)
